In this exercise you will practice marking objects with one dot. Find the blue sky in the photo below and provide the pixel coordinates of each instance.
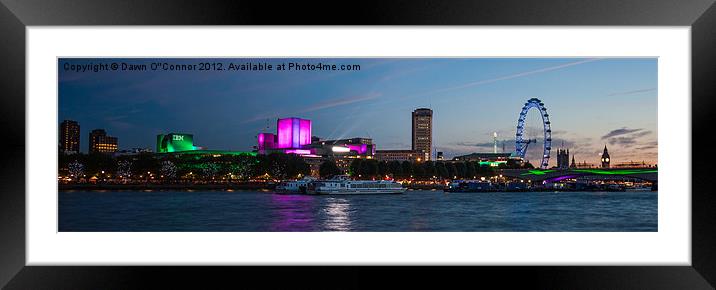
(592, 102)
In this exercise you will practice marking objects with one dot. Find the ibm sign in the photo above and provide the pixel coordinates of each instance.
(175, 142)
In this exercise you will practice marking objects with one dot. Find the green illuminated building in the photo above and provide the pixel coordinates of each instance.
(180, 144)
(175, 142)
(212, 153)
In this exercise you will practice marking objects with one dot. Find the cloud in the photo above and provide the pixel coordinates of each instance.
(623, 141)
(483, 144)
(632, 92)
(625, 137)
(647, 147)
(622, 131)
(641, 134)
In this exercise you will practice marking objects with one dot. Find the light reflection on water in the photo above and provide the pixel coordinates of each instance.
(292, 212)
(247, 211)
(338, 216)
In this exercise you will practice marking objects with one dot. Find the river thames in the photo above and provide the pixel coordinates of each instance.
(413, 211)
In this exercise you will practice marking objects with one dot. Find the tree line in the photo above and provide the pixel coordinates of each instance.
(182, 166)
(272, 166)
(371, 168)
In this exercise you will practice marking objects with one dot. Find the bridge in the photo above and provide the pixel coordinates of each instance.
(552, 175)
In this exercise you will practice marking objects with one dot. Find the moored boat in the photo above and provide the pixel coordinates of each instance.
(342, 184)
(294, 186)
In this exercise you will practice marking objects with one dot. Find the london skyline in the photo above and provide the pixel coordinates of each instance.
(592, 103)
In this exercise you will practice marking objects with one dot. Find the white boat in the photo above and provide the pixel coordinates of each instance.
(639, 188)
(294, 186)
(342, 184)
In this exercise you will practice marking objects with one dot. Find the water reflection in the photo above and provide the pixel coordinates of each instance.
(418, 211)
(292, 213)
(337, 215)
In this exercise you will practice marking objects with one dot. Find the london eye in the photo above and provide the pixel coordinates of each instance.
(521, 143)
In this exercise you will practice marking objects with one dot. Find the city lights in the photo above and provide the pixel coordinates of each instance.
(340, 149)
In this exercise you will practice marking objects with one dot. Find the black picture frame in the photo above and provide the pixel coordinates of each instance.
(16, 15)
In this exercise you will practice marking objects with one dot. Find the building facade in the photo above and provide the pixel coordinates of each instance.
(293, 133)
(584, 165)
(100, 142)
(633, 164)
(293, 136)
(400, 155)
(132, 152)
(562, 158)
(353, 147)
(423, 131)
(175, 142)
(70, 136)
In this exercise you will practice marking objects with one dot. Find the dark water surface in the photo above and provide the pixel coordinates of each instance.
(414, 211)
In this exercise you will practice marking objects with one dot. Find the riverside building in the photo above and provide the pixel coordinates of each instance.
(70, 137)
(423, 131)
(100, 142)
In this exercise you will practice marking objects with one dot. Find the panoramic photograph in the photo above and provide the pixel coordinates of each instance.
(357, 144)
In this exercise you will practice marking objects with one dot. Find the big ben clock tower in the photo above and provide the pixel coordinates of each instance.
(605, 158)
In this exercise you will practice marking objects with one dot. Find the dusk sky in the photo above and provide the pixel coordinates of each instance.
(591, 102)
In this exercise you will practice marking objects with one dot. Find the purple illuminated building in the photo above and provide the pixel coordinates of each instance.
(293, 136)
(298, 151)
(293, 133)
(266, 141)
(359, 148)
(352, 146)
